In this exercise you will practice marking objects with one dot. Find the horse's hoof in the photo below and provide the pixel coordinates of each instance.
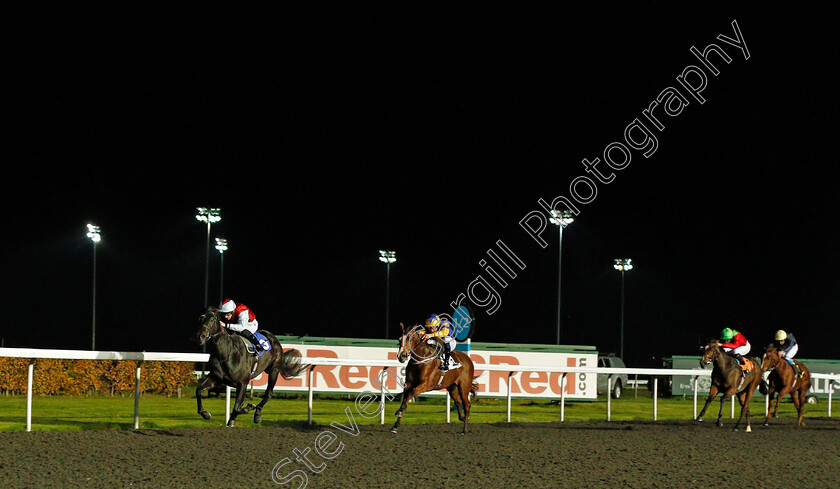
(205, 414)
(394, 431)
(231, 423)
(766, 424)
(748, 430)
(700, 419)
(258, 417)
(249, 407)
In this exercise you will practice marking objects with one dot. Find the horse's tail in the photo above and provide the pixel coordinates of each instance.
(291, 366)
(474, 388)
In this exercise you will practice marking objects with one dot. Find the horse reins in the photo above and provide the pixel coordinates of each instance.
(411, 350)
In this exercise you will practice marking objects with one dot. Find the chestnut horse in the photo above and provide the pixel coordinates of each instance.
(422, 373)
(783, 381)
(727, 379)
(232, 365)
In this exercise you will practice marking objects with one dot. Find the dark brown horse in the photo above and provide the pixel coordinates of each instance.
(728, 380)
(231, 364)
(422, 373)
(783, 381)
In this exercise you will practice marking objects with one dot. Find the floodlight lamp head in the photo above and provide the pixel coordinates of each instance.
(562, 218)
(93, 233)
(209, 215)
(623, 264)
(387, 256)
(221, 245)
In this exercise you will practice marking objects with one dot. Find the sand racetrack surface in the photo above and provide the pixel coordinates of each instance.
(579, 454)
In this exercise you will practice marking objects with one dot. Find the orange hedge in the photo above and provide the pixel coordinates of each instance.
(82, 377)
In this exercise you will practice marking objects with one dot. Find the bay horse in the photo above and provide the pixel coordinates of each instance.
(231, 364)
(422, 373)
(727, 379)
(783, 381)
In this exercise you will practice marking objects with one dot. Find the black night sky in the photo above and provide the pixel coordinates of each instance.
(327, 136)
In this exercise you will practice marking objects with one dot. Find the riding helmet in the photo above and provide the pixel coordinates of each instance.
(433, 321)
(781, 335)
(227, 306)
(727, 334)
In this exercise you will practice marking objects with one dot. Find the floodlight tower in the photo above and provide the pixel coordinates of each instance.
(387, 257)
(622, 265)
(561, 219)
(209, 215)
(95, 236)
(221, 247)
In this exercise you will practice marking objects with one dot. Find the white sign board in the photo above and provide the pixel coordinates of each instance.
(347, 379)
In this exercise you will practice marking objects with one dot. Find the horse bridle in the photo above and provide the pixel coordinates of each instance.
(221, 329)
(405, 344)
(713, 356)
(773, 367)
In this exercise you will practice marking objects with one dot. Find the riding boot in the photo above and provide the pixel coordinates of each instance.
(797, 370)
(250, 336)
(444, 364)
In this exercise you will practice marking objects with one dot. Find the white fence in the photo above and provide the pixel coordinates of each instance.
(512, 369)
(139, 357)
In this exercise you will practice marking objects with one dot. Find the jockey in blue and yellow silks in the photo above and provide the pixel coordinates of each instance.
(437, 328)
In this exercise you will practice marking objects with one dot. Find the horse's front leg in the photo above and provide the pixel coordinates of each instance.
(237, 406)
(726, 395)
(207, 383)
(713, 392)
(776, 408)
(408, 394)
(769, 408)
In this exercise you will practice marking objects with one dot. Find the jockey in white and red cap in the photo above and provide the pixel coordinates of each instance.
(239, 319)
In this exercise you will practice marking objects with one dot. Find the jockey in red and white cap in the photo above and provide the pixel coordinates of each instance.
(240, 319)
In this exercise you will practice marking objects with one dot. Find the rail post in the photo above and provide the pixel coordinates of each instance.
(382, 396)
(227, 404)
(563, 398)
(309, 402)
(655, 389)
(31, 373)
(696, 380)
(137, 396)
(510, 375)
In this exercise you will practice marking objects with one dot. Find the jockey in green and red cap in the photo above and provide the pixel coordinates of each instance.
(734, 343)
